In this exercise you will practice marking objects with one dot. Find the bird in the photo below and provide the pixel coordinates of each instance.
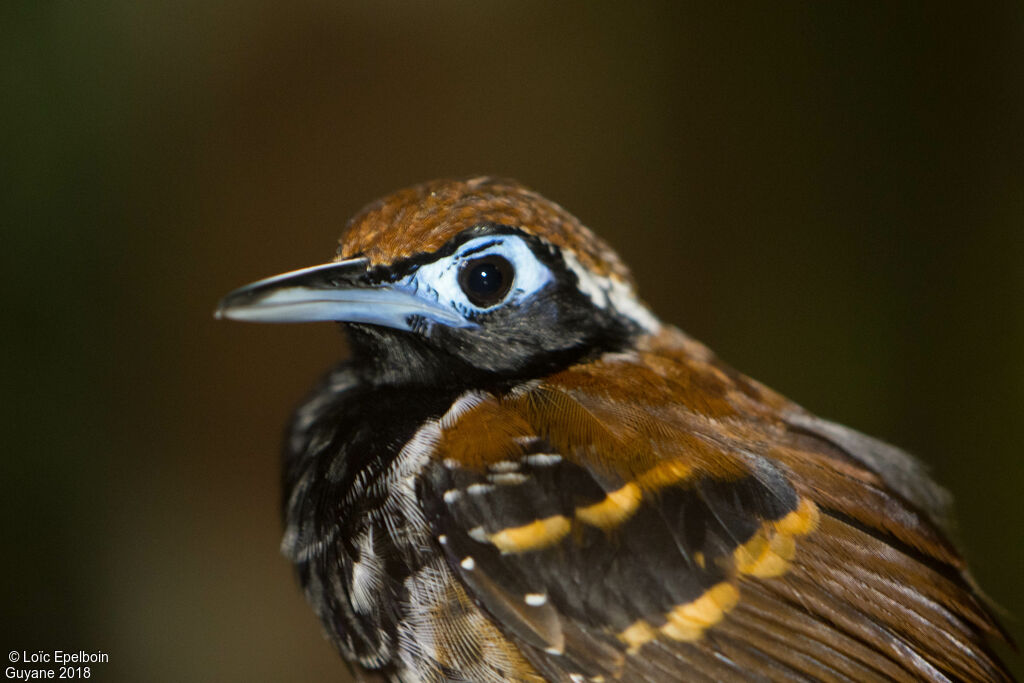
(519, 473)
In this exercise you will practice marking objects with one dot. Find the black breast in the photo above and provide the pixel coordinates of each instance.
(339, 525)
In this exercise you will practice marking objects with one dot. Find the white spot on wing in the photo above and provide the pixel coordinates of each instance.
(535, 599)
(543, 459)
(479, 489)
(468, 563)
(508, 479)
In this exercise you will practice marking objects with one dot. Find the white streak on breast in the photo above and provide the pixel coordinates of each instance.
(367, 575)
(462, 405)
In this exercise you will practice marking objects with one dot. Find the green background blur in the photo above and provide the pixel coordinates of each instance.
(831, 196)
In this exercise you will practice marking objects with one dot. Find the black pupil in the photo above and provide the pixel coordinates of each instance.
(486, 280)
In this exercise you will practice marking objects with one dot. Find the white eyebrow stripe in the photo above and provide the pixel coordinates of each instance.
(610, 292)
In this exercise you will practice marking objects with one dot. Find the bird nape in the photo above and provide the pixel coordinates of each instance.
(521, 474)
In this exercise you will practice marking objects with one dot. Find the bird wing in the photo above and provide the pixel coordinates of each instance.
(655, 516)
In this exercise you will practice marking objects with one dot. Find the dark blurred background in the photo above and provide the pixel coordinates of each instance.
(829, 195)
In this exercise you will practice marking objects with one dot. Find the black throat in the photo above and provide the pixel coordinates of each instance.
(384, 357)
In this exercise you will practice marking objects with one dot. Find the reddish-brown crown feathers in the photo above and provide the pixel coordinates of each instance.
(422, 218)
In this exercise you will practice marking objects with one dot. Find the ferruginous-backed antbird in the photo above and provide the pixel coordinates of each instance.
(522, 474)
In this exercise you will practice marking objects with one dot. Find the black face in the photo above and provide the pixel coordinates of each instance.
(523, 311)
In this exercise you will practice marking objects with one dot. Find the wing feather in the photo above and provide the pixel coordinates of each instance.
(633, 536)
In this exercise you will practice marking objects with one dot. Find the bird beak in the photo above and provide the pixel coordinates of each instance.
(338, 292)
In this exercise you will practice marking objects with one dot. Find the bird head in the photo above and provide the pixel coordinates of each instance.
(463, 277)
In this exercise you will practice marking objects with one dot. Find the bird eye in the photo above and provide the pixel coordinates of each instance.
(486, 280)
